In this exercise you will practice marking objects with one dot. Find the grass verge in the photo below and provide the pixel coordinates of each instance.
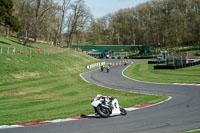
(48, 86)
(142, 71)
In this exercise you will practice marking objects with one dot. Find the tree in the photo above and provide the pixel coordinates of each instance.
(168, 22)
(64, 8)
(38, 19)
(41, 9)
(6, 17)
(77, 21)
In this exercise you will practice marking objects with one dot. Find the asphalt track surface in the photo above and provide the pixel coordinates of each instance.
(181, 113)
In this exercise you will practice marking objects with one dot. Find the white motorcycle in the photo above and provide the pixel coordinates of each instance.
(106, 106)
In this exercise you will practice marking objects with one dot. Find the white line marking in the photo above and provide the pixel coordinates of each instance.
(131, 109)
(9, 126)
(83, 78)
(160, 102)
(186, 84)
(61, 120)
(193, 130)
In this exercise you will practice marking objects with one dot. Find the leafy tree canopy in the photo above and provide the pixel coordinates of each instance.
(6, 17)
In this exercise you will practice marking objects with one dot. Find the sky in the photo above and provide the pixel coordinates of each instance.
(100, 8)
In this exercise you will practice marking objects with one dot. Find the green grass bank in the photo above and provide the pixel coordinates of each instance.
(46, 86)
(140, 70)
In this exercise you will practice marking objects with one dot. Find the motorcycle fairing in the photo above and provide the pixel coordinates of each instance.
(116, 109)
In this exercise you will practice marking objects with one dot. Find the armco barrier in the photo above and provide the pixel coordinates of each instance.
(95, 65)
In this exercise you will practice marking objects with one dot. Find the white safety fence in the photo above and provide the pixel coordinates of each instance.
(95, 65)
(112, 64)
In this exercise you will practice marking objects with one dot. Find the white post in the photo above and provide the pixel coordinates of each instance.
(181, 61)
(8, 50)
(30, 53)
(21, 50)
(14, 50)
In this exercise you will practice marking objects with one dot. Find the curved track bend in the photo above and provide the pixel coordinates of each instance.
(181, 113)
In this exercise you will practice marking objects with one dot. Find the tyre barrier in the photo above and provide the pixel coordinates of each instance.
(176, 66)
(125, 57)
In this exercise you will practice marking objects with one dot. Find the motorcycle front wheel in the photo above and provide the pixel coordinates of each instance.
(103, 112)
(123, 111)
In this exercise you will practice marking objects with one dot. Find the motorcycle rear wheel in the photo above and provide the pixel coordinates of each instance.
(103, 112)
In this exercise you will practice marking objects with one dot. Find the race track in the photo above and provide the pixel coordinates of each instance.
(181, 113)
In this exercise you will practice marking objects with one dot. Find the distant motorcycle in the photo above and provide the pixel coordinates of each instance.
(102, 68)
(108, 69)
(106, 106)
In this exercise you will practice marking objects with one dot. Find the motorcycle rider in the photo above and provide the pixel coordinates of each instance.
(108, 68)
(102, 68)
(104, 98)
(106, 106)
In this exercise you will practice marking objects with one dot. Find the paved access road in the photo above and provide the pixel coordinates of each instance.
(181, 113)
